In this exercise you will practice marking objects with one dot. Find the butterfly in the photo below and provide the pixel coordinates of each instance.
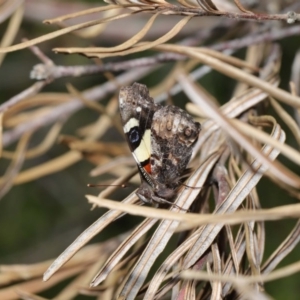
(161, 139)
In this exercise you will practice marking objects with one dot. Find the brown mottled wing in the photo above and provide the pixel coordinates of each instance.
(137, 109)
(135, 103)
(173, 134)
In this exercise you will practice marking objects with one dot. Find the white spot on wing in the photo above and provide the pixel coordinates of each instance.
(138, 109)
(143, 151)
(133, 122)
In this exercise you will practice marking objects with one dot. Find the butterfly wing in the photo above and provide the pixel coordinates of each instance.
(173, 135)
(137, 109)
(161, 140)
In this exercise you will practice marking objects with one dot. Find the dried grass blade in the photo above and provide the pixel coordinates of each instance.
(72, 290)
(251, 248)
(192, 220)
(36, 285)
(31, 91)
(208, 5)
(118, 254)
(277, 169)
(85, 237)
(110, 189)
(261, 136)
(235, 73)
(1, 133)
(234, 199)
(231, 109)
(217, 263)
(51, 166)
(44, 146)
(128, 44)
(8, 8)
(295, 77)
(81, 13)
(200, 177)
(12, 29)
(59, 32)
(280, 273)
(288, 120)
(283, 250)
(95, 93)
(241, 7)
(146, 45)
(232, 266)
(112, 165)
(28, 296)
(233, 250)
(228, 59)
(6, 181)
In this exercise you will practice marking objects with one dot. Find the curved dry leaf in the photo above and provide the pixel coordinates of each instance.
(146, 45)
(128, 44)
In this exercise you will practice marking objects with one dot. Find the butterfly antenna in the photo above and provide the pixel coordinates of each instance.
(106, 185)
(179, 207)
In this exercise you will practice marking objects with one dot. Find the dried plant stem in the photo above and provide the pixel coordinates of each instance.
(63, 110)
(33, 90)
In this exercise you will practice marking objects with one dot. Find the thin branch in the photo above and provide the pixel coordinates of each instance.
(33, 90)
(63, 110)
(42, 71)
